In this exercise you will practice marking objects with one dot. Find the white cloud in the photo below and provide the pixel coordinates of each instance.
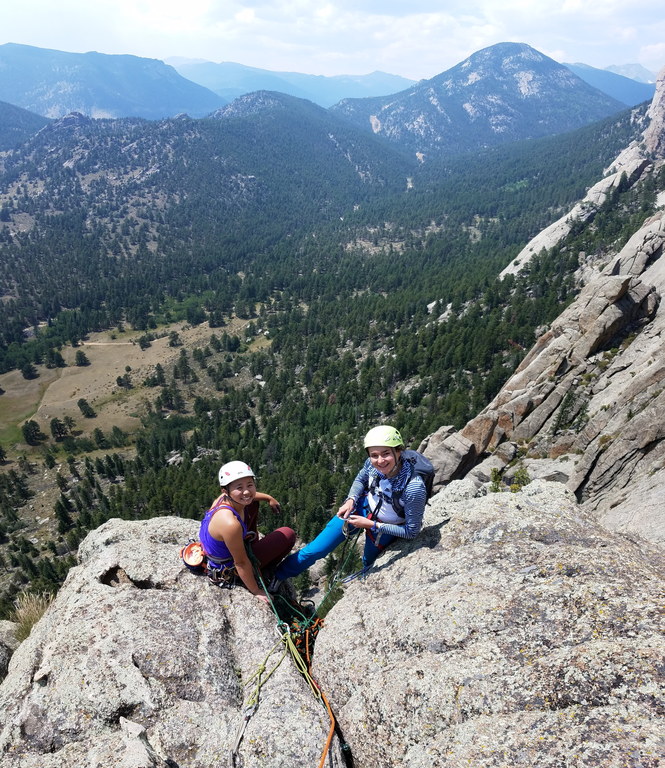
(417, 39)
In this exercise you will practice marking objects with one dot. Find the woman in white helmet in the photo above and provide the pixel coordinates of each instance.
(387, 499)
(231, 522)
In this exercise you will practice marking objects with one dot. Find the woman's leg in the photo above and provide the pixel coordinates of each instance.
(372, 551)
(274, 546)
(329, 538)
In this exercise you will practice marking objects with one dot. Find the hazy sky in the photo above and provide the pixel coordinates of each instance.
(413, 38)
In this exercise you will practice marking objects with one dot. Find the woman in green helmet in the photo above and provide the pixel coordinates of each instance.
(387, 499)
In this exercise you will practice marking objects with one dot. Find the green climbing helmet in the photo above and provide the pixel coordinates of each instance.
(383, 435)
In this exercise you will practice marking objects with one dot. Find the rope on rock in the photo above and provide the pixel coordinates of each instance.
(297, 632)
(252, 700)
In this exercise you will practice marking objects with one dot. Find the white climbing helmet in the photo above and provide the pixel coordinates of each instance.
(234, 470)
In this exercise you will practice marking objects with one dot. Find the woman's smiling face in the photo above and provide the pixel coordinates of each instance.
(242, 491)
(384, 459)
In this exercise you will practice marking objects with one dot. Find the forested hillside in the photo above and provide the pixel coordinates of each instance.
(370, 284)
(17, 125)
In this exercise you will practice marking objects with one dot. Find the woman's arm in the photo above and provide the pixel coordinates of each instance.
(225, 527)
(358, 487)
(274, 504)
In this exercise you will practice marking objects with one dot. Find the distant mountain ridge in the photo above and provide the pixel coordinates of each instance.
(230, 80)
(634, 72)
(503, 93)
(17, 125)
(55, 83)
(630, 92)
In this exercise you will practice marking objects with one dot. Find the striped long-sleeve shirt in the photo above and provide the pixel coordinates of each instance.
(413, 497)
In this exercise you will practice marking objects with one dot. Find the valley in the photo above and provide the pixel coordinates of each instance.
(267, 283)
(260, 283)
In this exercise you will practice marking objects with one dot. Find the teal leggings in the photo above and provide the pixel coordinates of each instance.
(329, 538)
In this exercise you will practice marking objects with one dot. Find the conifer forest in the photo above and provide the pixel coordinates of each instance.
(366, 283)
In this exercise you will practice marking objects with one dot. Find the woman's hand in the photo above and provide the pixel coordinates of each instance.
(275, 506)
(358, 521)
(345, 510)
(263, 597)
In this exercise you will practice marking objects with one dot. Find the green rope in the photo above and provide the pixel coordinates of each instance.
(252, 700)
(286, 639)
(288, 615)
(344, 557)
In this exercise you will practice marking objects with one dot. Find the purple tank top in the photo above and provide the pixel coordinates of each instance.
(217, 550)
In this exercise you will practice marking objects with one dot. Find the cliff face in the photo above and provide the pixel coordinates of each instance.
(654, 136)
(589, 394)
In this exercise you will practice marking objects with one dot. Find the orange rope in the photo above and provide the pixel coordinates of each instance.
(330, 732)
(309, 661)
(317, 625)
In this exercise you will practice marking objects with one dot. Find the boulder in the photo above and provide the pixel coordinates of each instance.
(556, 470)
(451, 454)
(140, 663)
(499, 459)
(519, 633)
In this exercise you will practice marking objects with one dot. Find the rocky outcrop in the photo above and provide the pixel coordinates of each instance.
(8, 644)
(654, 136)
(139, 663)
(629, 166)
(591, 388)
(514, 631)
(519, 633)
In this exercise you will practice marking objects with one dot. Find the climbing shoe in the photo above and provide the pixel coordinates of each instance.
(274, 585)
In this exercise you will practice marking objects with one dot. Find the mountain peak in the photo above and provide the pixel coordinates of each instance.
(260, 102)
(502, 93)
(634, 72)
(508, 50)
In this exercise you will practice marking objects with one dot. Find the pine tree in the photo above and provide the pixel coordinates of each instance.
(32, 433)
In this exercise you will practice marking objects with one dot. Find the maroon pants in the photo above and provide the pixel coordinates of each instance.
(274, 546)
